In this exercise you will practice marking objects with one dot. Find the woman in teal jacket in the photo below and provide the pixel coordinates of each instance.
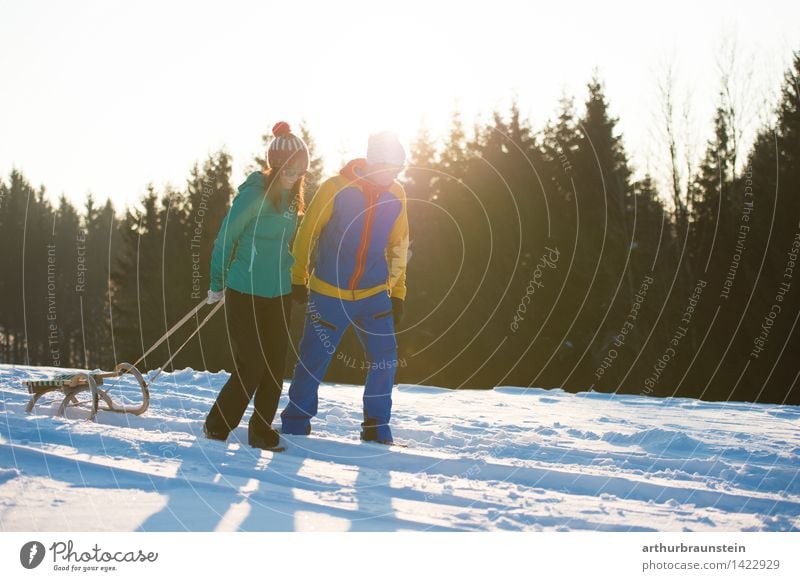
(250, 267)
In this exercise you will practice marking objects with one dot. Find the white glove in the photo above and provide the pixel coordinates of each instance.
(215, 296)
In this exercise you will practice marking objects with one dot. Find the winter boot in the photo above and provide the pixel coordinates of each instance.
(267, 439)
(214, 435)
(372, 432)
(295, 427)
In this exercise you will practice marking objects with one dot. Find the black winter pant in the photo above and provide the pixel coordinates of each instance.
(258, 329)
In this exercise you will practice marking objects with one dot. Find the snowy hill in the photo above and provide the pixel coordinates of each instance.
(507, 459)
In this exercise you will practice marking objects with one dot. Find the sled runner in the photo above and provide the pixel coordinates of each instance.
(73, 384)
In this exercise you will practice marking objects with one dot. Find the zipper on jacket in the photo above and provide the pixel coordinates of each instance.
(253, 253)
(361, 256)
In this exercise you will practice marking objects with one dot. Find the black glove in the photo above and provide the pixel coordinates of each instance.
(299, 294)
(397, 310)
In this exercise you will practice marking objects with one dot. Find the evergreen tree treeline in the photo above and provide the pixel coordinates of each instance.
(536, 260)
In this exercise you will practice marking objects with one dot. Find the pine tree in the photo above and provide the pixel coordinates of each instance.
(773, 178)
(604, 230)
(66, 245)
(100, 229)
(713, 194)
(41, 325)
(314, 176)
(209, 197)
(421, 173)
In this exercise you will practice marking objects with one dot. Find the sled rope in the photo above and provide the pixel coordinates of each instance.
(189, 338)
(174, 328)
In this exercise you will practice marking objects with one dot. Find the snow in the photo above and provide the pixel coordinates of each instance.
(505, 459)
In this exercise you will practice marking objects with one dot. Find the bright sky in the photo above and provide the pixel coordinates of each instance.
(105, 97)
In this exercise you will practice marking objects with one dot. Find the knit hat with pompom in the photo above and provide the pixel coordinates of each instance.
(287, 149)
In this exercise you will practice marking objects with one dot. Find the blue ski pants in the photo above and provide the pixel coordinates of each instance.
(327, 318)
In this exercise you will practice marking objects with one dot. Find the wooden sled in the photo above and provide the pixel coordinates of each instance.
(73, 384)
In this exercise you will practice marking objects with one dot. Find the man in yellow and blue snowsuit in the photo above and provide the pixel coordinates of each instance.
(358, 221)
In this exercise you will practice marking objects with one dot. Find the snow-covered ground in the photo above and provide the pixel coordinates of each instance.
(507, 459)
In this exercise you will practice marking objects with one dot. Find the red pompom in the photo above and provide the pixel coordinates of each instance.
(281, 128)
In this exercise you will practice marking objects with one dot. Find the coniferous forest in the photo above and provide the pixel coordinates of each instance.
(537, 259)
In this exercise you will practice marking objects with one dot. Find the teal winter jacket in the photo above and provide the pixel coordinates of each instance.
(251, 253)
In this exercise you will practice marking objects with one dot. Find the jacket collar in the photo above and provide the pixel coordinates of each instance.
(354, 171)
